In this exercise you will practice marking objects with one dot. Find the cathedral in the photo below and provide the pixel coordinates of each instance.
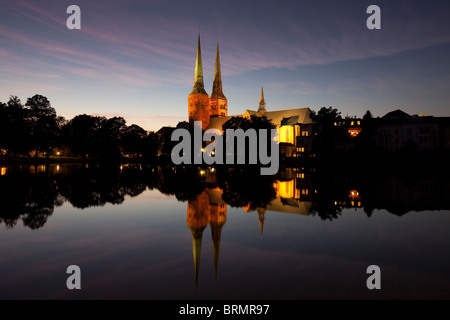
(294, 125)
(201, 106)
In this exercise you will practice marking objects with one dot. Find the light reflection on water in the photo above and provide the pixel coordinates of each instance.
(138, 236)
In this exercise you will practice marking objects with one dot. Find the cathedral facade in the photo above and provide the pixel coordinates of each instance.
(201, 106)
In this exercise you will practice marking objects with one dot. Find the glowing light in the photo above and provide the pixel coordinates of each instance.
(58, 168)
(354, 194)
(285, 189)
(4, 171)
(354, 132)
(286, 134)
(58, 153)
(202, 172)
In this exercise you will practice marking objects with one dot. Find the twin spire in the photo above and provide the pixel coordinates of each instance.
(198, 77)
(199, 86)
(217, 83)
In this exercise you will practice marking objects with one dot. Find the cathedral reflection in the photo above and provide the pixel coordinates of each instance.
(206, 208)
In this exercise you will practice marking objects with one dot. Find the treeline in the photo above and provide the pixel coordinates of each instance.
(34, 128)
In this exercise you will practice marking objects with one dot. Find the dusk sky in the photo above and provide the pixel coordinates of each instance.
(135, 58)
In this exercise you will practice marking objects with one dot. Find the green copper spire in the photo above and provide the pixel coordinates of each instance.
(198, 78)
(217, 84)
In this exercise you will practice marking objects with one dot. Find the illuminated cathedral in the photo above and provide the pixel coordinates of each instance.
(201, 106)
(294, 125)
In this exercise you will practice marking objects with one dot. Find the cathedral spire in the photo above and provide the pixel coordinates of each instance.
(262, 102)
(216, 233)
(261, 218)
(198, 77)
(217, 84)
(197, 236)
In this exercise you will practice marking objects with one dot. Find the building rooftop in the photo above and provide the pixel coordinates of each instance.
(278, 118)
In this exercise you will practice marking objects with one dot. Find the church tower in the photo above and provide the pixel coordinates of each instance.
(262, 102)
(198, 100)
(219, 106)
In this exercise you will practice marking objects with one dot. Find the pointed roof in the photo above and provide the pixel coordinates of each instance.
(198, 77)
(262, 102)
(261, 218)
(197, 237)
(217, 83)
(216, 234)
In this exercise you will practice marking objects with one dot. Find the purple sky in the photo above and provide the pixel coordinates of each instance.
(135, 58)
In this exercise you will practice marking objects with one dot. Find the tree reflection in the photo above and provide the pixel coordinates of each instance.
(29, 198)
(245, 187)
(31, 193)
(32, 196)
(186, 183)
(99, 185)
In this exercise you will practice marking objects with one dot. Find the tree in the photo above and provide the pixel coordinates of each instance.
(328, 131)
(365, 141)
(15, 126)
(82, 134)
(237, 123)
(110, 135)
(368, 115)
(152, 144)
(134, 140)
(184, 125)
(45, 124)
(254, 122)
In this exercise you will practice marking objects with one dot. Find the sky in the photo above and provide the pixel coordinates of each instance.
(136, 58)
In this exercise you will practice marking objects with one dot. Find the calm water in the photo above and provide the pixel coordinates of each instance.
(201, 234)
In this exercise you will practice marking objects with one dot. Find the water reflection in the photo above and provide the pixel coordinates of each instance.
(206, 208)
(30, 193)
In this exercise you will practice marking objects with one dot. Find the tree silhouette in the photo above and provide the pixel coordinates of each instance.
(15, 128)
(45, 124)
(110, 135)
(254, 122)
(184, 125)
(134, 140)
(82, 134)
(328, 131)
(365, 141)
(368, 115)
(151, 146)
(237, 123)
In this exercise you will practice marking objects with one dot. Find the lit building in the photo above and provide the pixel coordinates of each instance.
(294, 125)
(202, 107)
